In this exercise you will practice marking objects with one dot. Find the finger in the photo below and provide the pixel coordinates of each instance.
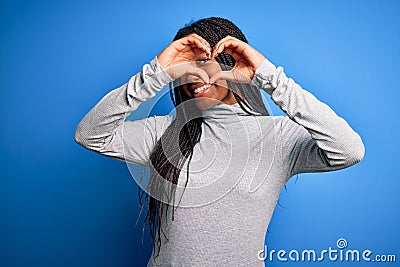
(232, 47)
(180, 70)
(192, 70)
(227, 42)
(231, 75)
(197, 52)
(195, 35)
(222, 75)
(235, 53)
(204, 42)
(199, 42)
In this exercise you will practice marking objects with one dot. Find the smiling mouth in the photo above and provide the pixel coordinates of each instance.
(201, 89)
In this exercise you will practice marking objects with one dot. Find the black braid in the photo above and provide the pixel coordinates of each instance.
(169, 167)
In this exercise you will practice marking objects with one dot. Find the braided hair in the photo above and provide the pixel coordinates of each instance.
(188, 121)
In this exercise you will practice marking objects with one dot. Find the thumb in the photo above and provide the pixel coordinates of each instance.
(199, 73)
(222, 75)
(181, 69)
(231, 75)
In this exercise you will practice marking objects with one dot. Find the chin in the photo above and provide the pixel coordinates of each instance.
(204, 103)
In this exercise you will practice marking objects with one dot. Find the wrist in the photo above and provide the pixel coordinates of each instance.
(264, 76)
(159, 70)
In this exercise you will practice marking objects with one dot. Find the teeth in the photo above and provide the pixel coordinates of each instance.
(201, 88)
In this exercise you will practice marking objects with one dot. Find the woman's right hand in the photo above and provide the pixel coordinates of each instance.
(176, 58)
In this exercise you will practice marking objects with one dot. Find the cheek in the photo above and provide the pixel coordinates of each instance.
(185, 90)
(222, 87)
(220, 92)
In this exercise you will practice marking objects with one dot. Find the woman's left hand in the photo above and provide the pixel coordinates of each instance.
(247, 60)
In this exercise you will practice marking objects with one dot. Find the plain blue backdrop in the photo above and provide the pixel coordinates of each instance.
(62, 205)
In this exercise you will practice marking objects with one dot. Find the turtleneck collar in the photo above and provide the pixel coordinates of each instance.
(223, 112)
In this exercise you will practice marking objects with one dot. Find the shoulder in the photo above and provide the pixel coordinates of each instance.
(162, 123)
(273, 122)
(152, 127)
(283, 128)
(286, 124)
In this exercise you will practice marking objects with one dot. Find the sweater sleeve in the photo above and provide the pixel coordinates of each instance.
(105, 130)
(313, 138)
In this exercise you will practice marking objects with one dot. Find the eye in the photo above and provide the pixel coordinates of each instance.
(202, 62)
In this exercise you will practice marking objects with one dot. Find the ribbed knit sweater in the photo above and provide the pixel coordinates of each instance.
(238, 167)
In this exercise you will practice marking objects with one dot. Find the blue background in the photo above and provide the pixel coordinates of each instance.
(61, 205)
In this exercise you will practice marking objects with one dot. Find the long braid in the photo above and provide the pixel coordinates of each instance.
(167, 157)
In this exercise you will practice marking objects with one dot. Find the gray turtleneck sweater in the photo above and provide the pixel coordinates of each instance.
(238, 168)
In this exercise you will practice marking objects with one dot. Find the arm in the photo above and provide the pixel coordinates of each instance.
(104, 129)
(314, 138)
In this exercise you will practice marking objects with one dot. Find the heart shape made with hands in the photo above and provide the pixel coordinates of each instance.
(247, 60)
(183, 50)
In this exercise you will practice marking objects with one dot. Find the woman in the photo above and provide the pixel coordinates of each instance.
(223, 156)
